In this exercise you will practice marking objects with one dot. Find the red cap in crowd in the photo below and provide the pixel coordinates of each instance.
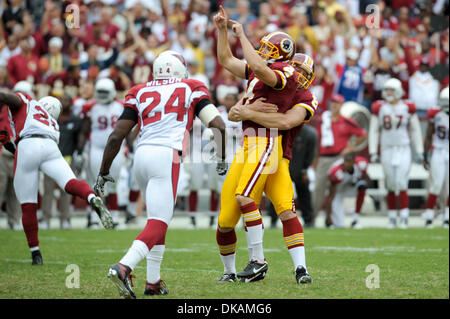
(337, 98)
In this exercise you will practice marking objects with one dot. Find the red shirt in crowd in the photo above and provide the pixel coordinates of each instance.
(343, 129)
(21, 68)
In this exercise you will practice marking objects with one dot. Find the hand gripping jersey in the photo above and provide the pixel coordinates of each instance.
(307, 100)
(103, 120)
(166, 108)
(282, 95)
(337, 175)
(394, 121)
(441, 135)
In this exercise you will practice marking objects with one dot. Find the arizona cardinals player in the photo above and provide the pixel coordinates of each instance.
(164, 110)
(36, 134)
(99, 120)
(394, 125)
(437, 139)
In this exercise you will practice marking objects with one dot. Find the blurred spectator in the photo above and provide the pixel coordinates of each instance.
(24, 66)
(13, 15)
(57, 60)
(300, 26)
(350, 85)
(9, 48)
(194, 73)
(334, 133)
(423, 88)
(243, 14)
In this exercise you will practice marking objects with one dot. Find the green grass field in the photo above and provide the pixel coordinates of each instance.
(412, 263)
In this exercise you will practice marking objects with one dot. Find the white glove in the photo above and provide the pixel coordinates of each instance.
(374, 158)
(99, 187)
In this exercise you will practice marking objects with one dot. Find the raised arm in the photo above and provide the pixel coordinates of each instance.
(11, 100)
(224, 54)
(255, 62)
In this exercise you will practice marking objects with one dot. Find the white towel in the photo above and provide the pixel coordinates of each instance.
(327, 138)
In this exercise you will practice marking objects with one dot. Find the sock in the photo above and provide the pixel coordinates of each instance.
(431, 201)
(392, 214)
(428, 214)
(250, 250)
(294, 239)
(391, 200)
(446, 212)
(403, 199)
(132, 201)
(227, 249)
(30, 223)
(193, 201)
(32, 249)
(213, 201)
(154, 260)
(404, 213)
(80, 189)
(135, 254)
(111, 202)
(360, 200)
(154, 233)
(253, 223)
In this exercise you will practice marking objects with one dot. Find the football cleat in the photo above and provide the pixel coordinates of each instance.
(429, 224)
(445, 224)
(227, 278)
(302, 276)
(121, 276)
(159, 288)
(356, 225)
(392, 223)
(36, 258)
(254, 271)
(102, 212)
(404, 223)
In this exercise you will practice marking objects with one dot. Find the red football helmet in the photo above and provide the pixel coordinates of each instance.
(277, 46)
(304, 65)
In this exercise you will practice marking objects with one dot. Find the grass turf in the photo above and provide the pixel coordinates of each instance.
(412, 263)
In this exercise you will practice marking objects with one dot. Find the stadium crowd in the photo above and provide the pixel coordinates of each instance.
(63, 47)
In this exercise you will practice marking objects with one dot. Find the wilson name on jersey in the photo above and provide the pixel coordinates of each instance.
(166, 108)
(394, 122)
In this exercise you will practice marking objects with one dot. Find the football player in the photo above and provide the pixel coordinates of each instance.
(278, 187)
(269, 75)
(99, 120)
(348, 177)
(164, 109)
(36, 135)
(437, 137)
(399, 125)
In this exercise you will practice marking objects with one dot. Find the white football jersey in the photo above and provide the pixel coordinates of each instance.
(103, 120)
(39, 121)
(166, 110)
(394, 122)
(441, 135)
(337, 174)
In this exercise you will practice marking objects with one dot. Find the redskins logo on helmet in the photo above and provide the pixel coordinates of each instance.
(304, 65)
(277, 46)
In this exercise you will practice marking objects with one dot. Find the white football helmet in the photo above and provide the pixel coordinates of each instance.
(170, 64)
(24, 87)
(52, 105)
(443, 100)
(395, 85)
(105, 91)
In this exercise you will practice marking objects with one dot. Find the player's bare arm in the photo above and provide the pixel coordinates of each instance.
(11, 100)
(224, 54)
(255, 62)
(121, 131)
(427, 144)
(219, 135)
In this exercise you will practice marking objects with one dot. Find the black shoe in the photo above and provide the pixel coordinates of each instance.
(212, 220)
(227, 278)
(129, 218)
(445, 224)
(302, 276)
(254, 271)
(156, 289)
(428, 223)
(36, 258)
(121, 276)
(102, 212)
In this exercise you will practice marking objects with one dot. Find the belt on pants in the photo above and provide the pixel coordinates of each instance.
(37, 136)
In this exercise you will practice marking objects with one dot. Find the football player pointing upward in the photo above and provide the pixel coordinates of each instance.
(270, 76)
(164, 110)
